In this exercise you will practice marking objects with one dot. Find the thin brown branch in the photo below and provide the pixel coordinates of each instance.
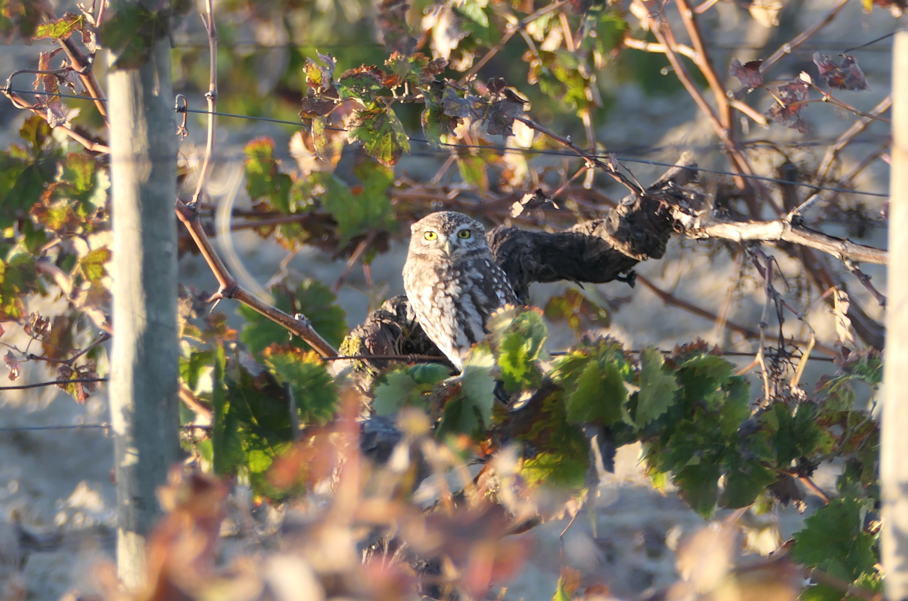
(743, 107)
(704, 63)
(229, 288)
(763, 325)
(22, 104)
(354, 257)
(194, 404)
(658, 48)
(787, 48)
(663, 32)
(81, 65)
(865, 162)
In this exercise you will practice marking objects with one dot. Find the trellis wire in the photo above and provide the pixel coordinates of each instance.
(504, 149)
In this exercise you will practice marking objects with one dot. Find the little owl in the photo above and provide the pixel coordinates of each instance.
(453, 284)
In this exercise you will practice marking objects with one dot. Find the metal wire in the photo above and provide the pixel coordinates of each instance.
(506, 149)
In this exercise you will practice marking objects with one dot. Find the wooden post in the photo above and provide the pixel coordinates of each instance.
(144, 375)
(894, 450)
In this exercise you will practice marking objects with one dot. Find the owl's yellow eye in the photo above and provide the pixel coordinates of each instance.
(430, 235)
(464, 234)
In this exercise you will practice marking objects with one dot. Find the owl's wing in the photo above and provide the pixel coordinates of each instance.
(492, 291)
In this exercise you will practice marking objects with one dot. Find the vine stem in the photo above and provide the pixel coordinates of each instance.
(188, 214)
(211, 97)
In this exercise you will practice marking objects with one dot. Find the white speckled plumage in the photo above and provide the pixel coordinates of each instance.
(452, 282)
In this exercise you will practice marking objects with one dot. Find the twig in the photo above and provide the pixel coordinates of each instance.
(865, 162)
(745, 108)
(211, 97)
(80, 64)
(357, 253)
(658, 48)
(22, 104)
(833, 150)
(634, 187)
(189, 215)
(229, 288)
(194, 404)
(865, 280)
(786, 48)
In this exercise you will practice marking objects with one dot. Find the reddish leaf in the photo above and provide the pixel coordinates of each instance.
(321, 95)
(846, 76)
(79, 390)
(14, 368)
(748, 74)
(786, 110)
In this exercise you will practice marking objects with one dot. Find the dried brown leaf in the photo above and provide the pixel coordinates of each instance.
(748, 74)
(846, 76)
(15, 370)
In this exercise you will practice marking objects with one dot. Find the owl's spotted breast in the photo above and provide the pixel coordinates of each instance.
(452, 282)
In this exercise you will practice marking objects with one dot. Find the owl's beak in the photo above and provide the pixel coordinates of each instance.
(449, 248)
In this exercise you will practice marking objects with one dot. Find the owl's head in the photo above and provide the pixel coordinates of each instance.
(446, 233)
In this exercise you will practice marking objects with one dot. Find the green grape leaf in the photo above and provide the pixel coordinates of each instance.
(406, 386)
(381, 133)
(362, 83)
(597, 396)
(745, 483)
(60, 29)
(562, 448)
(225, 437)
(704, 377)
(833, 540)
(17, 279)
(657, 388)
(91, 266)
(314, 390)
(519, 336)
(470, 411)
(263, 175)
(699, 486)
